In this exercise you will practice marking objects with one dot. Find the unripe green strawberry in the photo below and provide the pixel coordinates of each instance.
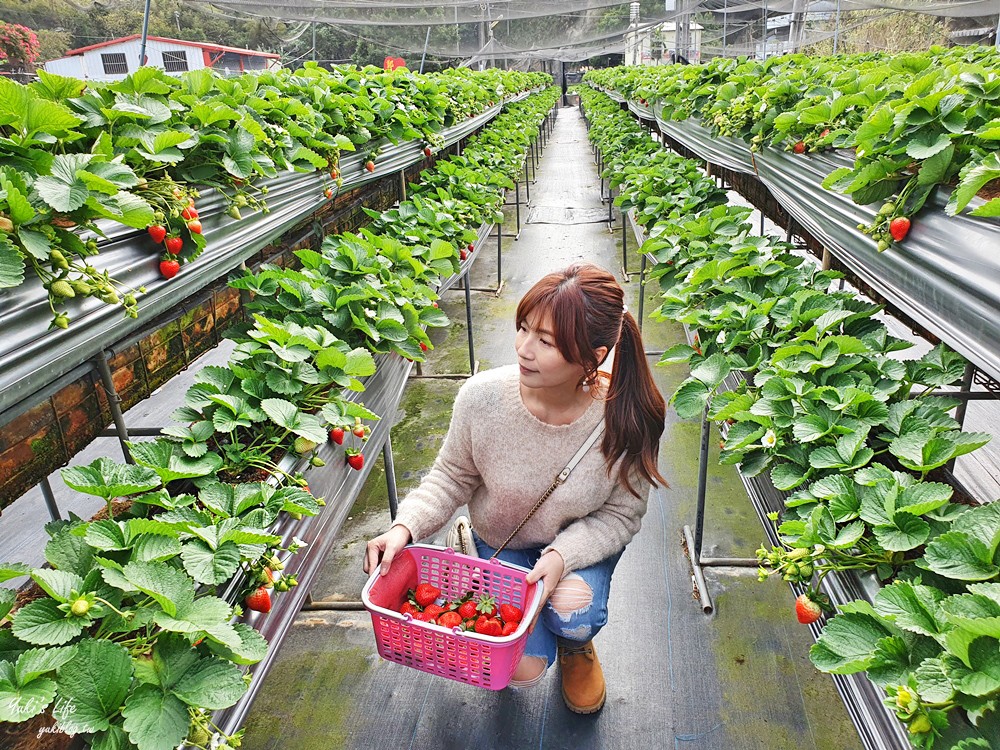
(61, 321)
(234, 211)
(81, 287)
(199, 736)
(6, 225)
(921, 724)
(62, 289)
(317, 461)
(304, 445)
(274, 562)
(129, 299)
(887, 209)
(80, 607)
(111, 298)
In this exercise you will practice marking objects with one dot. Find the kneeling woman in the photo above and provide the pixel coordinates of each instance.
(513, 430)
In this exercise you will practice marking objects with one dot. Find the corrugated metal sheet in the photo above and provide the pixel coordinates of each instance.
(34, 356)
(945, 276)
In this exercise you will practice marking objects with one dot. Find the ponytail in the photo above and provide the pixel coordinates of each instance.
(634, 413)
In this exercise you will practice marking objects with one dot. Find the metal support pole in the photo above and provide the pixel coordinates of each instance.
(699, 519)
(50, 499)
(764, 33)
(402, 185)
(427, 40)
(499, 258)
(642, 289)
(970, 373)
(517, 209)
(145, 34)
(836, 29)
(468, 320)
(527, 185)
(114, 403)
(390, 477)
(699, 576)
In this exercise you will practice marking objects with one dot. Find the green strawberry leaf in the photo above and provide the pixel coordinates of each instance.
(905, 532)
(251, 650)
(210, 683)
(107, 479)
(92, 686)
(982, 675)
(20, 702)
(847, 644)
(11, 264)
(911, 607)
(155, 720)
(168, 586)
(57, 583)
(957, 555)
(211, 566)
(42, 623)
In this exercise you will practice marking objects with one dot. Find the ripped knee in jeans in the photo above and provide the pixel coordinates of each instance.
(571, 598)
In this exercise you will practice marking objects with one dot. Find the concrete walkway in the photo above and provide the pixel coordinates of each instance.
(739, 679)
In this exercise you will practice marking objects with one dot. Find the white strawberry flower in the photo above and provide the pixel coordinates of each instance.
(721, 338)
(370, 313)
(769, 440)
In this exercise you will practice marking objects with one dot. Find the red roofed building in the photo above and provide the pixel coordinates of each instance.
(113, 60)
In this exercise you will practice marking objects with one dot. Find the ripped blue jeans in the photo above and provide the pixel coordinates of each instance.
(564, 620)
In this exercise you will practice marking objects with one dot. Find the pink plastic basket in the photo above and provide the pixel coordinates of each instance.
(458, 655)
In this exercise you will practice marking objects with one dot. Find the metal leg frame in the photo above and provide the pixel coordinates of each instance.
(694, 538)
(114, 403)
(473, 362)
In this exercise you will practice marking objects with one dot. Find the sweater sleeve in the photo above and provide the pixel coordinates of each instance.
(605, 531)
(451, 481)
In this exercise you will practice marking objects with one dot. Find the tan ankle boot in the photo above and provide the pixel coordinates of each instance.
(582, 677)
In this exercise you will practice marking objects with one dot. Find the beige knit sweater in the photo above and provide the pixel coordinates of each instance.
(499, 458)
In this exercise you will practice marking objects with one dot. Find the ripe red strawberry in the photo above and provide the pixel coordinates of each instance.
(328, 193)
(174, 245)
(259, 600)
(334, 174)
(409, 608)
(356, 460)
(423, 346)
(426, 593)
(487, 605)
(807, 610)
(509, 628)
(468, 610)
(423, 616)
(510, 613)
(370, 165)
(825, 133)
(449, 619)
(427, 151)
(194, 226)
(359, 430)
(434, 610)
(899, 227)
(189, 213)
(169, 268)
(157, 233)
(488, 626)
(472, 246)
(799, 148)
(463, 254)
(337, 435)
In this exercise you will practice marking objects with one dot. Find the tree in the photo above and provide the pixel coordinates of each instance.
(18, 47)
(881, 30)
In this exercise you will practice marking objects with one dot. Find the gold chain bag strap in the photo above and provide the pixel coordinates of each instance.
(563, 475)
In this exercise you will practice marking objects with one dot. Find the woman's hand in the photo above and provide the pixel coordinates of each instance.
(385, 547)
(549, 570)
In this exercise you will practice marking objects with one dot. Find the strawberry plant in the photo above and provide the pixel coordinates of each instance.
(855, 435)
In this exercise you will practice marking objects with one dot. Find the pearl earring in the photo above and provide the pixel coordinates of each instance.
(585, 388)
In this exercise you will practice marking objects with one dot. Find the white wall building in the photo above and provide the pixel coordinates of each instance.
(113, 60)
(652, 45)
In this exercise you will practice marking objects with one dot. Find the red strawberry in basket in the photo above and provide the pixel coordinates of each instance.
(409, 608)
(509, 628)
(467, 610)
(449, 619)
(433, 610)
(510, 613)
(488, 626)
(426, 594)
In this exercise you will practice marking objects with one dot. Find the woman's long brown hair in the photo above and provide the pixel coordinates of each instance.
(586, 305)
